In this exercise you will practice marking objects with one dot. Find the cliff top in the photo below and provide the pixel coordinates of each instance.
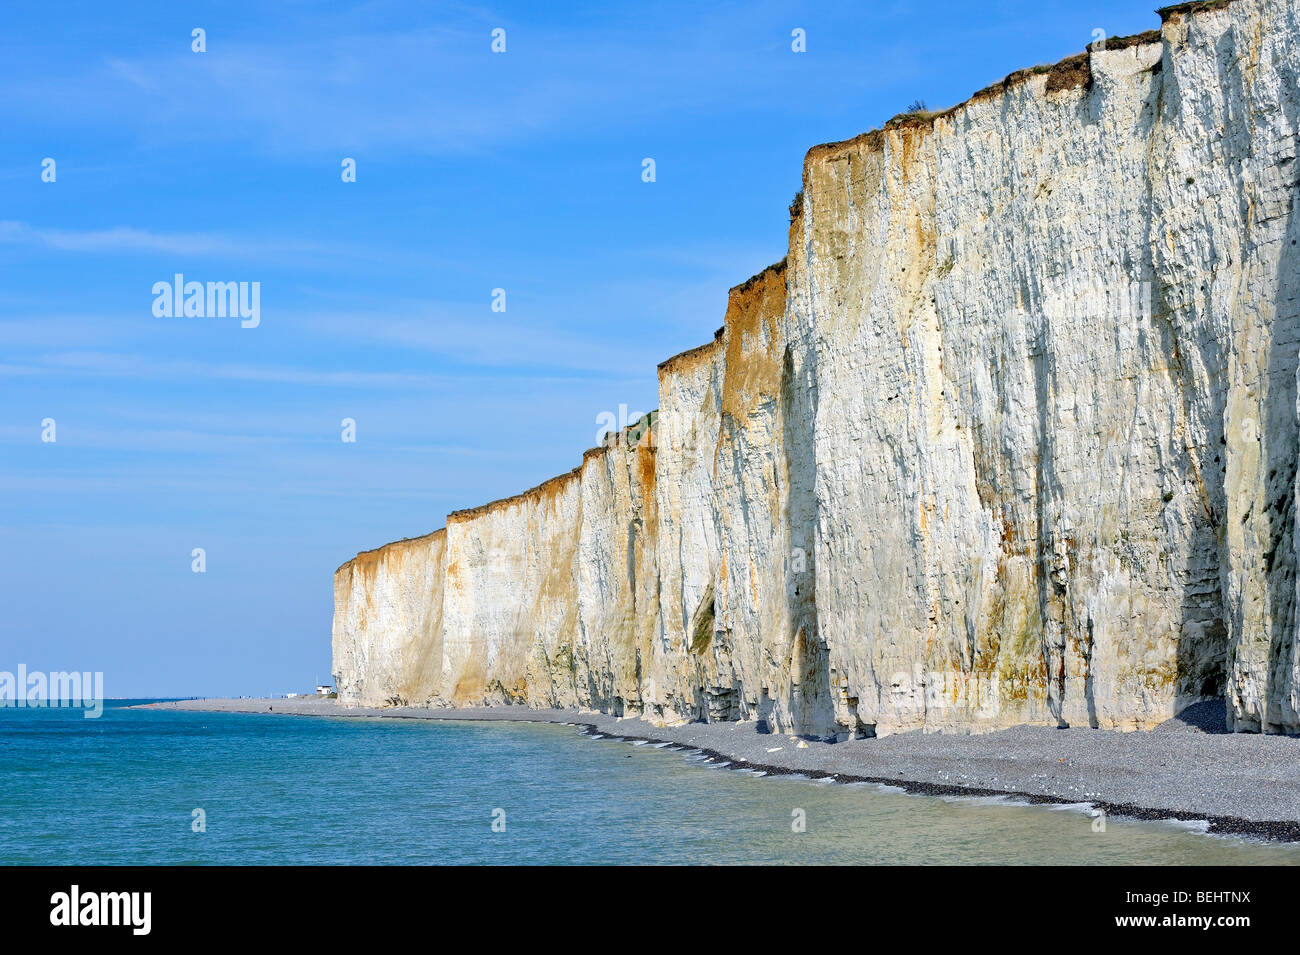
(544, 489)
(375, 551)
(776, 268)
(1072, 72)
(1196, 6)
(691, 352)
(622, 436)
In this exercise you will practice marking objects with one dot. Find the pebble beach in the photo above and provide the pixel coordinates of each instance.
(1188, 769)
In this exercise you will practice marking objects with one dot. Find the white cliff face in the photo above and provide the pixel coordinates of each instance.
(1010, 437)
(388, 629)
(685, 662)
(510, 615)
(754, 634)
(618, 577)
(1230, 266)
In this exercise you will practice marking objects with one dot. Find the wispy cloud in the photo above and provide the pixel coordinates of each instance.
(136, 366)
(129, 239)
(73, 330)
(140, 366)
(454, 334)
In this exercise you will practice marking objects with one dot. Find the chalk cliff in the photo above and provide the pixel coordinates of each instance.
(1010, 436)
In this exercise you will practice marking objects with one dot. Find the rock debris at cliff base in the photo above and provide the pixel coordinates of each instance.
(1009, 437)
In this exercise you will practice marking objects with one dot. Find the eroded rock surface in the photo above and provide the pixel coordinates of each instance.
(1009, 437)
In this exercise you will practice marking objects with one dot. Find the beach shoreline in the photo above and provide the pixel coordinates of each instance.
(1188, 769)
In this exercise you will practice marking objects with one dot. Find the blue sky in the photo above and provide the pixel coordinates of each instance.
(475, 171)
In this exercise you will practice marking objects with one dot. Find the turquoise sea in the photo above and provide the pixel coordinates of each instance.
(123, 789)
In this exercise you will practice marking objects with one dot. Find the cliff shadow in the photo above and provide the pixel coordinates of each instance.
(812, 711)
(1281, 434)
